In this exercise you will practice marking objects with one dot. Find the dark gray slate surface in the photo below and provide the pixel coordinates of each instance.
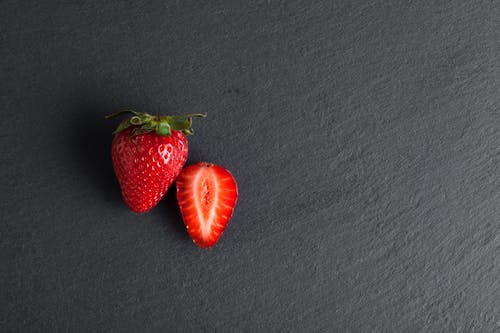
(364, 135)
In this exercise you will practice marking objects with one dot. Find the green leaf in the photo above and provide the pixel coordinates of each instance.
(188, 131)
(179, 123)
(120, 113)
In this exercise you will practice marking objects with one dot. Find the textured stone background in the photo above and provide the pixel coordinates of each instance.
(365, 137)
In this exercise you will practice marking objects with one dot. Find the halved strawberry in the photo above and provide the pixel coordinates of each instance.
(207, 194)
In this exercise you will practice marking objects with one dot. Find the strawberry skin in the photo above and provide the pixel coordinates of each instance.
(148, 153)
(207, 194)
(146, 165)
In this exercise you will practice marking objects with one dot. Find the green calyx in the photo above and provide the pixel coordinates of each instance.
(161, 125)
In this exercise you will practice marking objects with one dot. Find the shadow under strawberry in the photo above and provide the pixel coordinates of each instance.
(170, 214)
(90, 140)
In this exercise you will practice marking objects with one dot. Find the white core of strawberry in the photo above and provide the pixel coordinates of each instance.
(204, 182)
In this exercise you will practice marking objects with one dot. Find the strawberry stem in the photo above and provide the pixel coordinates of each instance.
(162, 125)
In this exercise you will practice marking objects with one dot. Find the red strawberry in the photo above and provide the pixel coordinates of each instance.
(207, 194)
(148, 153)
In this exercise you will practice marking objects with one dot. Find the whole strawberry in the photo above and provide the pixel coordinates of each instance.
(148, 153)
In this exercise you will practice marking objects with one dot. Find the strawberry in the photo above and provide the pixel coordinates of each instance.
(207, 194)
(148, 153)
